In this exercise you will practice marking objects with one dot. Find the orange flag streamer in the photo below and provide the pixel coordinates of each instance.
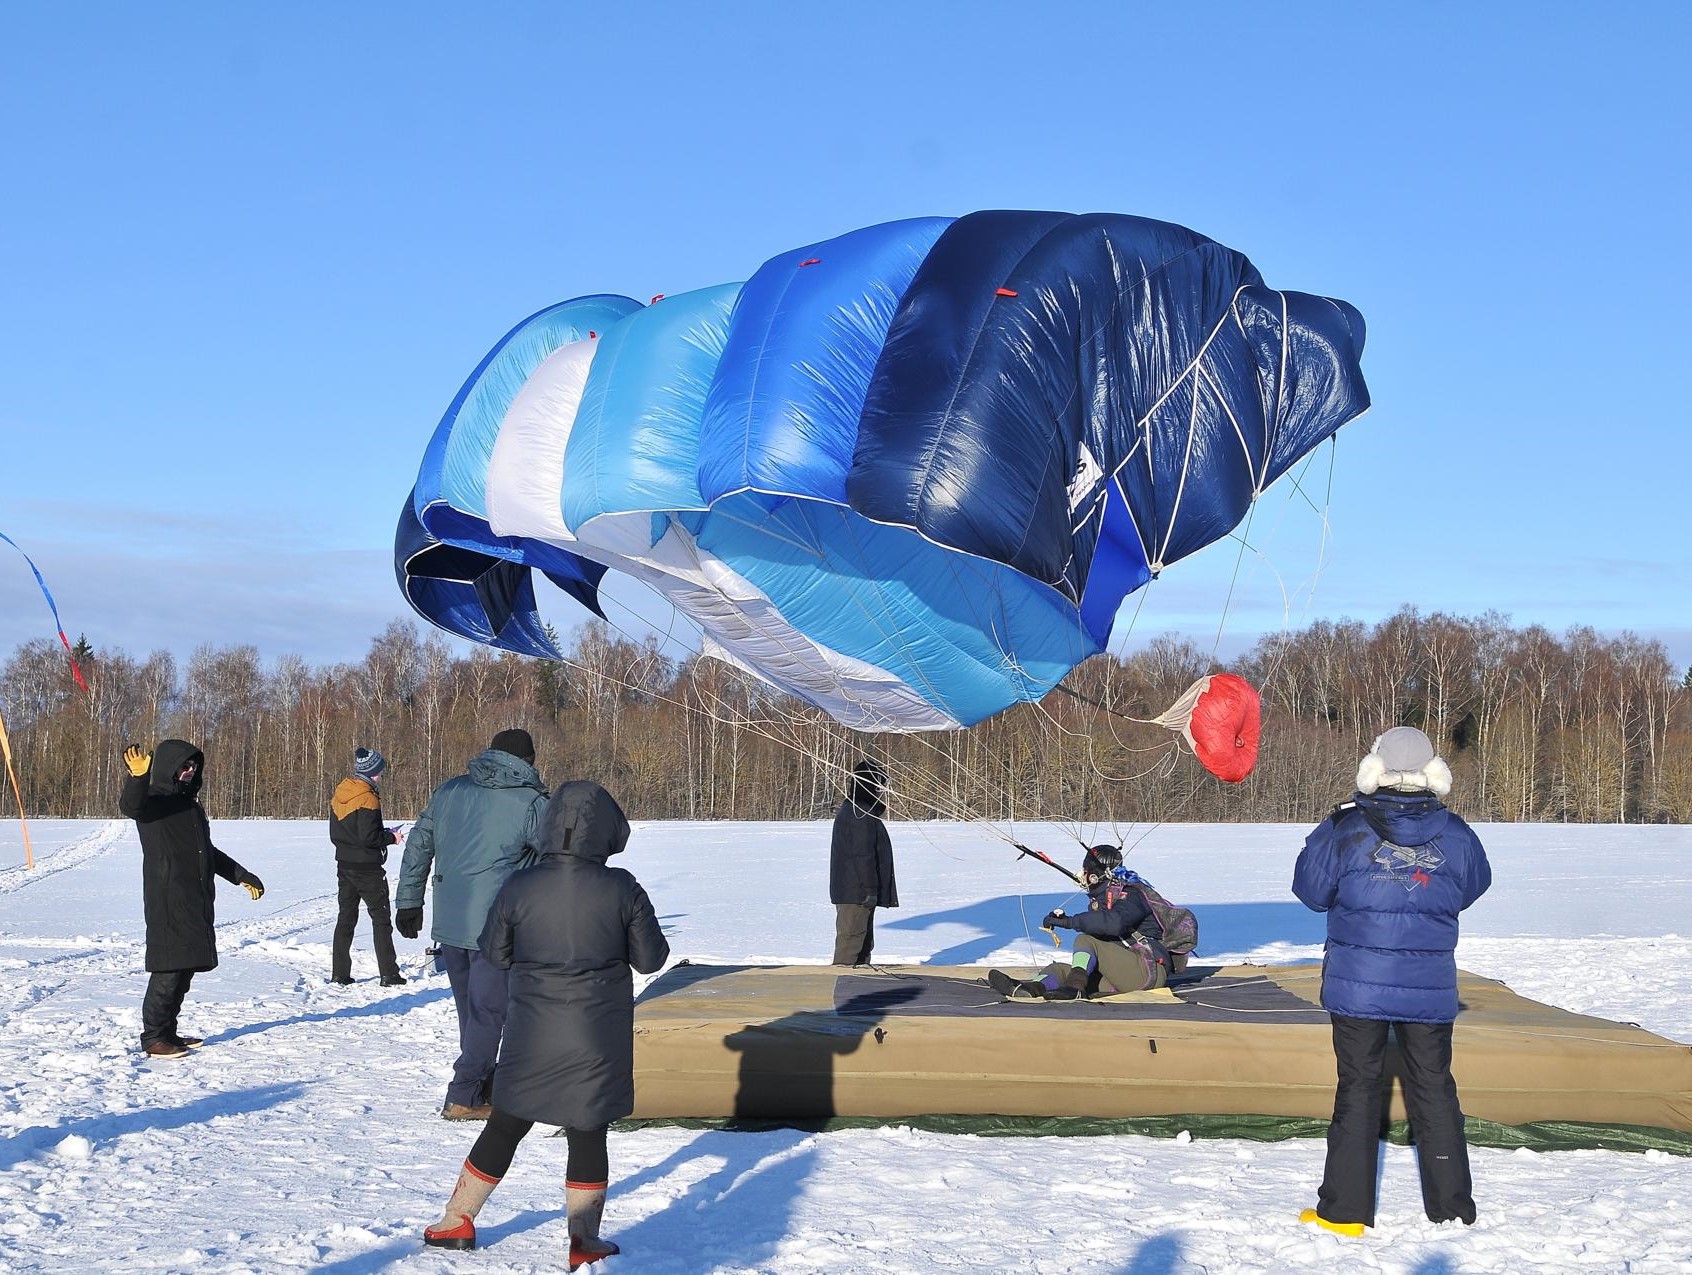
(23, 821)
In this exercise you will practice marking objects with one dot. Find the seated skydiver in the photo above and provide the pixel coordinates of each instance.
(1118, 942)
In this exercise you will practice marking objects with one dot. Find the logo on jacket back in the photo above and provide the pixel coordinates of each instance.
(1410, 866)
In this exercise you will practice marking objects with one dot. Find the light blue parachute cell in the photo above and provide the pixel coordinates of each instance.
(910, 473)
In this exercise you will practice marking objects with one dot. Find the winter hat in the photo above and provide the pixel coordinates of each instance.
(368, 763)
(1405, 759)
(516, 742)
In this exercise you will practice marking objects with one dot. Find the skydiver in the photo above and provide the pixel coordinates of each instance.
(1120, 944)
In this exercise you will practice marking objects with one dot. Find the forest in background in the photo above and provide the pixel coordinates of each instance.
(1536, 726)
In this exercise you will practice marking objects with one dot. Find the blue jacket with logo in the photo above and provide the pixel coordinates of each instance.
(1392, 870)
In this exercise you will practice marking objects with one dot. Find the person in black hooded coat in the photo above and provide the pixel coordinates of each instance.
(568, 929)
(178, 864)
(860, 866)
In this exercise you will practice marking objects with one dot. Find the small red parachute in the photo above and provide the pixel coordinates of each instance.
(1220, 717)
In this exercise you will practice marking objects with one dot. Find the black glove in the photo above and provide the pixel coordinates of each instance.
(409, 922)
(1057, 921)
(252, 885)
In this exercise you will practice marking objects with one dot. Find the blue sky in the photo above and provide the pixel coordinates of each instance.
(248, 254)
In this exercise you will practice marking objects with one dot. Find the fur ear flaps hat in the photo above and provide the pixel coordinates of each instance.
(1404, 759)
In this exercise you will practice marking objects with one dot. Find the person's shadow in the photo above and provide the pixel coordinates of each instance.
(787, 1066)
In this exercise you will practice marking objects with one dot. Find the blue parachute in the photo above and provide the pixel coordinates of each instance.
(907, 474)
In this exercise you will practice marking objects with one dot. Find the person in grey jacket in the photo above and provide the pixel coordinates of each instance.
(569, 929)
(477, 830)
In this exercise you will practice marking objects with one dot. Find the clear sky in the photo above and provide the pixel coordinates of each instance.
(248, 254)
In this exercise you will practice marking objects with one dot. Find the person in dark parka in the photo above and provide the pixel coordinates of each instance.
(569, 930)
(361, 842)
(178, 864)
(1392, 868)
(860, 866)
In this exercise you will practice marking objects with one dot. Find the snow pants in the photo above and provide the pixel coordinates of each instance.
(854, 933)
(587, 1163)
(166, 990)
(1349, 1182)
(367, 885)
(478, 993)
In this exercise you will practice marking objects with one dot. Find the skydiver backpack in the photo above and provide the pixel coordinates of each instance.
(1180, 926)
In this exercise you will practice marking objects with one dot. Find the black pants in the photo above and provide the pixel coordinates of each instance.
(587, 1165)
(854, 933)
(163, 1001)
(1436, 1121)
(369, 886)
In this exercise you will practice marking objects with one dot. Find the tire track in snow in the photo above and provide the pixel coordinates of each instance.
(72, 856)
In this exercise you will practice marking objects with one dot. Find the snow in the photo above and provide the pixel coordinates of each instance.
(305, 1136)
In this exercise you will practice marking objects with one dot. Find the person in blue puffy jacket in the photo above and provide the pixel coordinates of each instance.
(1392, 868)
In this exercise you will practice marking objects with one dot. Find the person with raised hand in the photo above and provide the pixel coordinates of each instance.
(178, 867)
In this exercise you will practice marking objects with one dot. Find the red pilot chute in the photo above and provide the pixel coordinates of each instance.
(1220, 717)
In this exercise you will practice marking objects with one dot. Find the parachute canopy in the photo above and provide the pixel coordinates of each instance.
(1221, 718)
(907, 474)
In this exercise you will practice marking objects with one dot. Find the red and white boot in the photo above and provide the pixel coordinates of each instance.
(457, 1228)
(584, 1205)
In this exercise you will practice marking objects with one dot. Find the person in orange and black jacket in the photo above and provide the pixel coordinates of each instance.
(178, 862)
(361, 848)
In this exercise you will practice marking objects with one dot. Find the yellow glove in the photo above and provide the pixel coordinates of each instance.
(138, 760)
(253, 886)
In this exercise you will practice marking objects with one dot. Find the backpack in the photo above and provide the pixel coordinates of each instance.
(1180, 926)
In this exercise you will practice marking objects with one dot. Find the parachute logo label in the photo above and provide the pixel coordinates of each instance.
(1088, 475)
(1410, 866)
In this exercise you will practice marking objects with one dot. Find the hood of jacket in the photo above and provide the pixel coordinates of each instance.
(493, 768)
(169, 757)
(1404, 818)
(865, 789)
(585, 822)
(351, 794)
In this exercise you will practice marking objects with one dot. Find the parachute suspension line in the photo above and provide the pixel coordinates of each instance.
(1233, 581)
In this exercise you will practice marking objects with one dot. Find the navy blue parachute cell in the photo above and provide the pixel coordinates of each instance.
(907, 474)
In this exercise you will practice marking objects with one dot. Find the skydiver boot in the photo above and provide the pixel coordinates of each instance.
(584, 1205)
(1015, 989)
(457, 1227)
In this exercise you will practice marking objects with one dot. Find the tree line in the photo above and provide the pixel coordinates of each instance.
(1536, 726)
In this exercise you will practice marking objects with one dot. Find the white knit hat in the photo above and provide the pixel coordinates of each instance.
(1405, 759)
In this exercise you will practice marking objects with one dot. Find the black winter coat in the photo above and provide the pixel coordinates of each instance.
(860, 859)
(178, 860)
(356, 829)
(568, 929)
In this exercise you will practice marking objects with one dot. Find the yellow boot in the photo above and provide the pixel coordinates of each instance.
(1353, 1230)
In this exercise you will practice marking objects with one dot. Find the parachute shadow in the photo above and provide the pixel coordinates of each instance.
(1011, 920)
(26, 1143)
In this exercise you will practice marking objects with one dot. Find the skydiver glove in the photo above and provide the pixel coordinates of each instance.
(138, 760)
(252, 885)
(1056, 920)
(409, 922)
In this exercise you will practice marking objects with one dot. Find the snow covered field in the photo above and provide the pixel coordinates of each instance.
(305, 1135)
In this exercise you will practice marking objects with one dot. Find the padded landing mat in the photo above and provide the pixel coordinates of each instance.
(809, 1042)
